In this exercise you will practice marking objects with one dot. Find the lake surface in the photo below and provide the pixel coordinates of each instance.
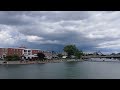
(66, 70)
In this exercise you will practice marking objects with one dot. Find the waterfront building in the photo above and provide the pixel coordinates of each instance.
(10, 52)
(65, 55)
(23, 52)
(48, 54)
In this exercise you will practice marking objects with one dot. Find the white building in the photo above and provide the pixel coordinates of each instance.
(47, 54)
(64, 53)
(64, 56)
(27, 53)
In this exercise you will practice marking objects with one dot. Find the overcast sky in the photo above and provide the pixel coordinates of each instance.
(51, 30)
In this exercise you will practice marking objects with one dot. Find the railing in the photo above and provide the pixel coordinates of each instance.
(100, 56)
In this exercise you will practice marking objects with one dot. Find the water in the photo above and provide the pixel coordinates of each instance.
(66, 70)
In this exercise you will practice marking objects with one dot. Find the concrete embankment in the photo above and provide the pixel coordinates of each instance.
(40, 62)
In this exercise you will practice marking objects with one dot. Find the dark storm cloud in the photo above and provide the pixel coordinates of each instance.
(72, 15)
(17, 17)
(11, 18)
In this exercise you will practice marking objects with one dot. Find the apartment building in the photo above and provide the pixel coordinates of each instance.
(23, 53)
(10, 51)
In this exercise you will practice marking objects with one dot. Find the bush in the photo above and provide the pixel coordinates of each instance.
(12, 58)
(60, 55)
(41, 56)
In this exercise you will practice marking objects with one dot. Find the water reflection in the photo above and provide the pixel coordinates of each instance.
(66, 70)
(71, 63)
(71, 70)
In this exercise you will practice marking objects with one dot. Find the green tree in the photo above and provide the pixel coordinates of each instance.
(78, 54)
(15, 57)
(60, 55)
(41, 56)
(12, 58)
(72, 50)
(8, 58)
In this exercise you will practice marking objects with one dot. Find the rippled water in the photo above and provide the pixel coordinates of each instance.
(66, 70)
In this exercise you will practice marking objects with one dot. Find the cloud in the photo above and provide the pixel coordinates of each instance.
(33, 38)
(89, 30)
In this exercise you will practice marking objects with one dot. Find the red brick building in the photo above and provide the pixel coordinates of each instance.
(11, 51)
(35, 51)
(15, 51)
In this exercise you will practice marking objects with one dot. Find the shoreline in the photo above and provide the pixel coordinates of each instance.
(39, 62)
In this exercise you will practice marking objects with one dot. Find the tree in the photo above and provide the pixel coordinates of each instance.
(72, 50)
(60, 55)
(78, 54)
(8, 58)
(41, 56)
(15, 58)
(12, 58)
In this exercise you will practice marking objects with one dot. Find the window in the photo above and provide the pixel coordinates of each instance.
(25, 50)
(25, 53)
(28, 53)
(28, 50)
